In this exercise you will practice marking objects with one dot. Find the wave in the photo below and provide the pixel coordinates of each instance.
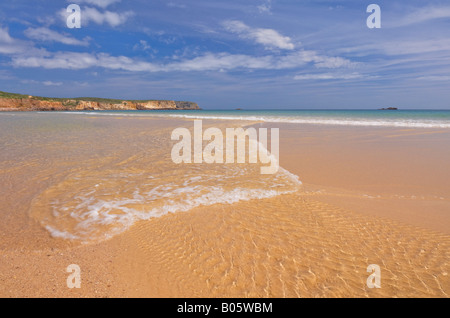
(95, 204)
(90, 217)
(336, 121)
(328, 121)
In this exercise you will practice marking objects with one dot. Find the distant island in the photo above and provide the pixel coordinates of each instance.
(389, 108)
(19, 102)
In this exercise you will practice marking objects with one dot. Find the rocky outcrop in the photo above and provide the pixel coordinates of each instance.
(186, 105)
(157, 104)
(37, 104)
(29, 104)
(89, 105)
(389, 108)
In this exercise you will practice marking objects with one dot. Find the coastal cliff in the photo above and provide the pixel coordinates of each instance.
(18, 102)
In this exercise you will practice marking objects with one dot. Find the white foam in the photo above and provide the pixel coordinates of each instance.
(343, 121)
(407, 123)
(97, 219)
(61, 234)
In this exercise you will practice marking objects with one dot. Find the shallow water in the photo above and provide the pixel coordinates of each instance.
(90, 177)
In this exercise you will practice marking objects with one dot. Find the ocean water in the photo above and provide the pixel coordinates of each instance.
(87, 177)
(369, 118)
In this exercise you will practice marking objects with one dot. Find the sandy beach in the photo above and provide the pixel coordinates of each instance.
(368, 196)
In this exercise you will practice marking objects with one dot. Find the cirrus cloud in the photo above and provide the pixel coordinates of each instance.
(268, 37)
(92, 15)
(424, 14)
(99, 3)
(108, 17)
(328, 76)
(206, 62)
(47, 35)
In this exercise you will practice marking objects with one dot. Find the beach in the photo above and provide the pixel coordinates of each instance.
(99, 190)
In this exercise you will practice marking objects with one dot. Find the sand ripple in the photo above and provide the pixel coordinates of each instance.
(266, 248)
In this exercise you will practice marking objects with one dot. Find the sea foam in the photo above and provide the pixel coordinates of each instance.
(93, 217)
(361, 121)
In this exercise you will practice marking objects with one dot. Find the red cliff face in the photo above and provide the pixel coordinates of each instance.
(157, 104)
(24, 104)
(33, 104)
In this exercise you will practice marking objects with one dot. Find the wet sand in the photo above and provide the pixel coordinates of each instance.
(369, 196)
(397, 173)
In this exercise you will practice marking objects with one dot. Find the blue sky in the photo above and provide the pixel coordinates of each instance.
(254, 54)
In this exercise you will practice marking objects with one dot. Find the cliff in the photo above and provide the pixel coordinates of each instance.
(17, 102)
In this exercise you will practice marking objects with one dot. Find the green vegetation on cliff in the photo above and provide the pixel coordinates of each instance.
(85, 99)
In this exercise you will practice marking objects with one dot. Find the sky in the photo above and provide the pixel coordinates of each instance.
(251, 54)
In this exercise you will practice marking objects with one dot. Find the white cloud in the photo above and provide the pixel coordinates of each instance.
(99, 3)
(267, 37)
(61, 60)
(46, 83)
(328, 76)
(142, 46)
(45, 34)
(176, 5)
(46, 20)
(266, 7)
(93, 15)
(206, 62)
(332, 62)
(6, 75)
(145, 47)
(112, 18)
(24, 54)
(439, 78)
(9, 45)
(50, 83)
(5, 37)
(423, 15)
(405, 47)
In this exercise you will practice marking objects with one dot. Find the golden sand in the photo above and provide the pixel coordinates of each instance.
(290, 246)
(364, 201)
